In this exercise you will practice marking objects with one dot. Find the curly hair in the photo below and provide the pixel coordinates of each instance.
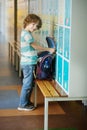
(32, 18)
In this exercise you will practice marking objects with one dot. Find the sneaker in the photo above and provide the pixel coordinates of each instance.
(31, 103)
(26, 108)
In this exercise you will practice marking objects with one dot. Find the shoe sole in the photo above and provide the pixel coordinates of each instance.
(24, 109)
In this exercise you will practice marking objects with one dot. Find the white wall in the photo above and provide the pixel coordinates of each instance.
(78, 72)
(3, 18)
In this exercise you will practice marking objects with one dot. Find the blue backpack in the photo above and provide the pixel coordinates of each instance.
(44, 65)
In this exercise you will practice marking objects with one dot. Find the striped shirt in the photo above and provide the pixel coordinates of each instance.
(28, 53)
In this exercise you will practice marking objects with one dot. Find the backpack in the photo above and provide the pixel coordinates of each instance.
(44, 65)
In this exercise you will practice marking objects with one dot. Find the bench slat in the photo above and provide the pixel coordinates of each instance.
(50, 88)
(43, 89)
(59, 89)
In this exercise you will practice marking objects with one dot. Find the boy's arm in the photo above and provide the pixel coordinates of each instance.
(40, 48)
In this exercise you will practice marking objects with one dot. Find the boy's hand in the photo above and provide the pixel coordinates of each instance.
(52, 50)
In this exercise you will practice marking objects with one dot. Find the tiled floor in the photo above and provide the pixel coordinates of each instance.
(63, 115)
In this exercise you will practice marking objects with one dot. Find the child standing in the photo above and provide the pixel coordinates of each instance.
(29, 59)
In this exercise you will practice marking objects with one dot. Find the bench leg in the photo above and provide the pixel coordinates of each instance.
(46, 115)
(17, 62)
(35, 95)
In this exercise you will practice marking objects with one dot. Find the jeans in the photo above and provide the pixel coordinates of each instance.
(27, 85)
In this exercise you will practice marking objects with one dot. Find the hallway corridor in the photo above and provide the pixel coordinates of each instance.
(7, 74)
(62, 115)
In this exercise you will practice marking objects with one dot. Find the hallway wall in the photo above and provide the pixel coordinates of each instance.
(3, 17)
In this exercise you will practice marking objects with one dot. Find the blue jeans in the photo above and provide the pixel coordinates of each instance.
(27, 85)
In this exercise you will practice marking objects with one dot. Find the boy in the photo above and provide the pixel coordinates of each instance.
(29, 59)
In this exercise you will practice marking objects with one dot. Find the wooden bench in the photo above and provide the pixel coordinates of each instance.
(17, 48)
(14, 55)
(51, 92)
(11, 51)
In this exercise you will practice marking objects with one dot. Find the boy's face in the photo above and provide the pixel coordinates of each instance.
(31, 27)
